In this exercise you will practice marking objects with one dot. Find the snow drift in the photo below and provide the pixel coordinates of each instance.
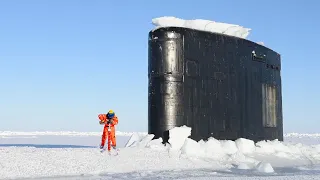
(182, 158)
(202, 25)
(242, 153)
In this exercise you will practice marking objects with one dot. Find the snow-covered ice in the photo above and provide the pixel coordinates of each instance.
(143, 158)
(178, 135)
(202, 25)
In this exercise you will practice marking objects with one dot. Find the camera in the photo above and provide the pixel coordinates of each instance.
(109, 121)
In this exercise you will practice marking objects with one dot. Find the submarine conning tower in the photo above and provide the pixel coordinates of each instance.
(219, 85)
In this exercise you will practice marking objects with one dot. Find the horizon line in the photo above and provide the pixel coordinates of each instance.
(123, 133)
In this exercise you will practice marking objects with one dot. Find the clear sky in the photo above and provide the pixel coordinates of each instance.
(62, 62)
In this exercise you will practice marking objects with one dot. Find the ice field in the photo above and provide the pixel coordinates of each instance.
(75, 155)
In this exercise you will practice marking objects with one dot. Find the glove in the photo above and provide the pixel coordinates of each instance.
(110, 121)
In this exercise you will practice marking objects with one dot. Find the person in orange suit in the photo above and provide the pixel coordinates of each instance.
(112, 119)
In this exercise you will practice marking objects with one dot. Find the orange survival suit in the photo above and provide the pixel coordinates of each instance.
(113, 120)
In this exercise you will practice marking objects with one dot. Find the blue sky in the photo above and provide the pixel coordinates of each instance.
(64, 62)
